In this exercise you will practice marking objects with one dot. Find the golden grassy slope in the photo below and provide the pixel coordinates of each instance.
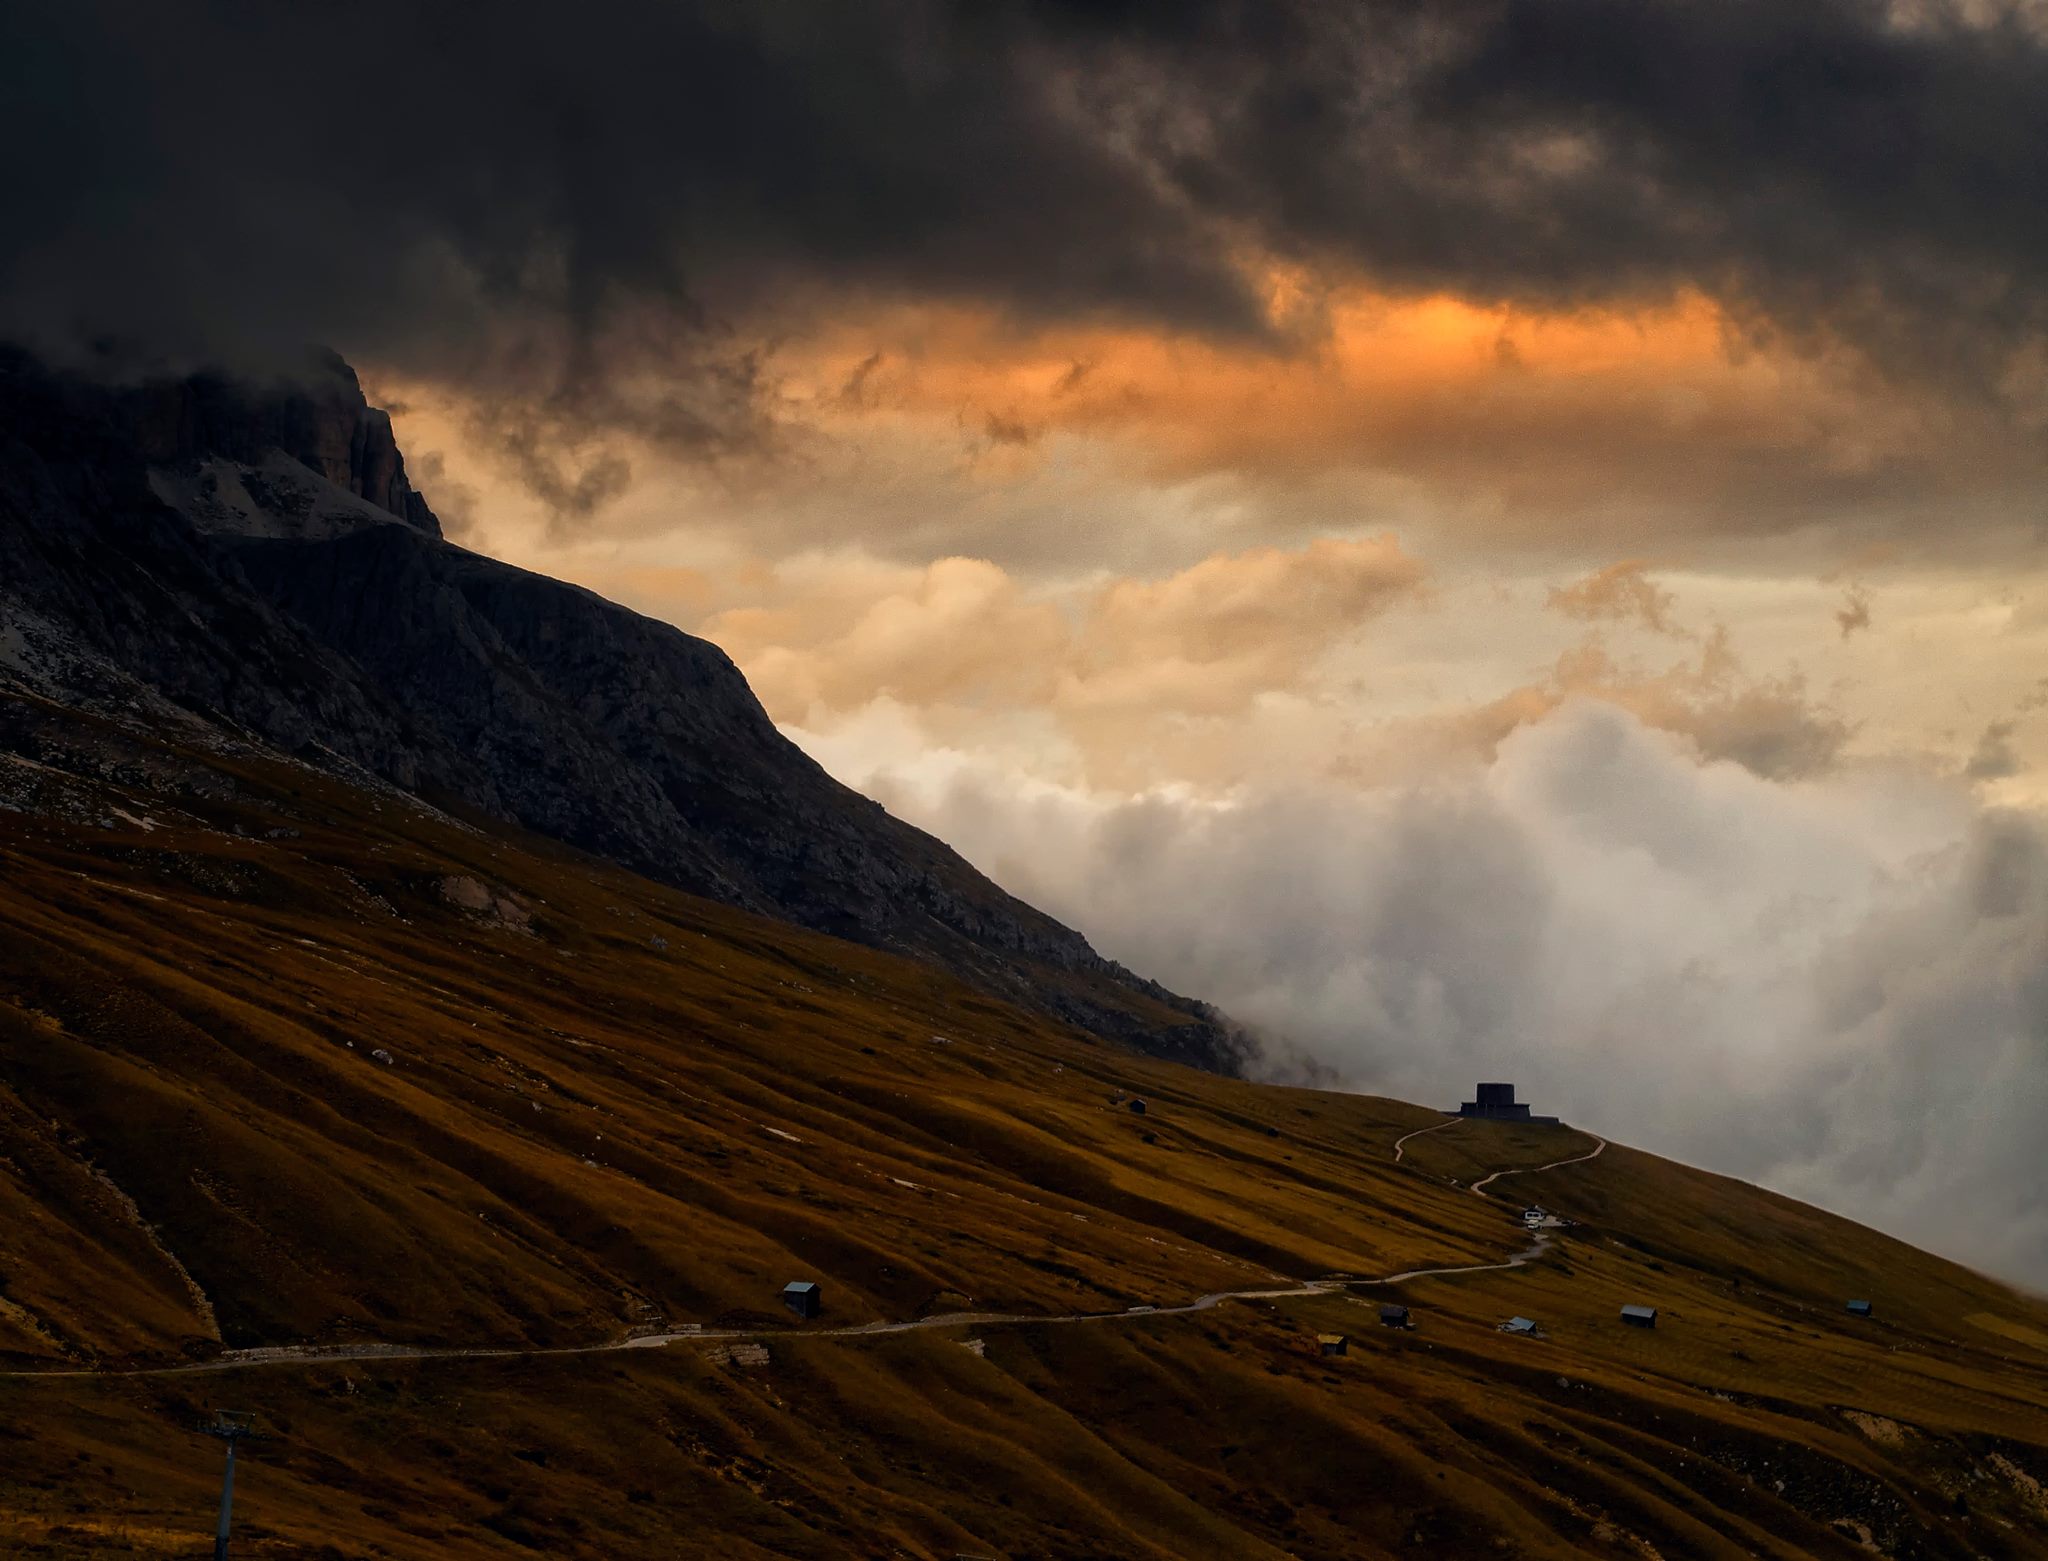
(612, 1107)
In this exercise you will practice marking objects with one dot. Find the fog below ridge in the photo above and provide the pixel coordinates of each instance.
(1836, 987)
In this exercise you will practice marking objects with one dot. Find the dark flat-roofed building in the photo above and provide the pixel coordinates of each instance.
(1859, 1308)
(1497, 1103)
(1639, 1316)
(803, 1297)
(1394, 1316)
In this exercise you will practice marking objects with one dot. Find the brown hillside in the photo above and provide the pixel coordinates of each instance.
(613, 1110)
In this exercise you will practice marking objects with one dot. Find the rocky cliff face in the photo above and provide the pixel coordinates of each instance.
(256, 561)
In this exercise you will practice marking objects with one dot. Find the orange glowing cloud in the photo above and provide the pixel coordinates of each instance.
(919, 429)
(1517, 415)
(1384, 372)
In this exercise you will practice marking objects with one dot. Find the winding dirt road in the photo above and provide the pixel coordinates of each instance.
(1401, 1143)
(305, 1354)
(1599, 1148)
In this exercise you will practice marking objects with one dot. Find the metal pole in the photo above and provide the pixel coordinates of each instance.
(227, 1501)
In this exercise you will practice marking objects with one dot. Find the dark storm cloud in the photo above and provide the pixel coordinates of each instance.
(1826, 162)
(535, 193)
(398, 172)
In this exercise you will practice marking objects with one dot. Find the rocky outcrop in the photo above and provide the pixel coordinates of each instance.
(255, 560)
(318, 418)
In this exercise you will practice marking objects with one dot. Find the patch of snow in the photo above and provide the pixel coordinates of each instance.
(277, 498)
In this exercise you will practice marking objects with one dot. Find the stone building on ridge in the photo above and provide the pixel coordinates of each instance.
(1497, 1103)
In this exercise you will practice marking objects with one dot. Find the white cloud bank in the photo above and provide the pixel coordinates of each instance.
(1836, 986)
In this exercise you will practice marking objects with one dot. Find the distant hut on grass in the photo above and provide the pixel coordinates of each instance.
(1518, 1325)
(1332, 1343)
(803, 1297)
(1639, 1316)
(1137, 1107)
(1392, 1316)
(1859, 1308)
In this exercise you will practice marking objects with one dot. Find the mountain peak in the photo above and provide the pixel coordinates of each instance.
(252, 558)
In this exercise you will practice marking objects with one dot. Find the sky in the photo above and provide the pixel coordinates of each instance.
(1491, 538)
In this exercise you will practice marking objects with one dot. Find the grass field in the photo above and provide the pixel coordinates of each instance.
(611, 1109)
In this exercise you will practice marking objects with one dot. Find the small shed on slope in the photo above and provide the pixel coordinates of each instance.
(1639, 1316)
(803, 1297)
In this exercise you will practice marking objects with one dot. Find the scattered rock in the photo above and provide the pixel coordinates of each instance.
(1886, 1433)
(488, 904)
(739, 1354)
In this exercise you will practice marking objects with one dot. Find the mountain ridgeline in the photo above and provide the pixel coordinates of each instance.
(251, 562)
